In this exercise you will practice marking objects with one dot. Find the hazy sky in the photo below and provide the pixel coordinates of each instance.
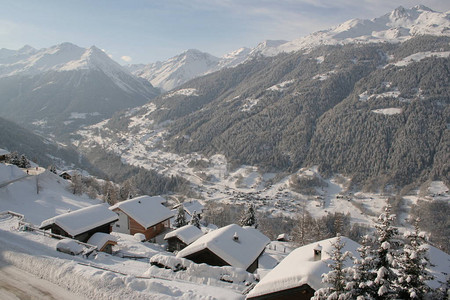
(144, 31)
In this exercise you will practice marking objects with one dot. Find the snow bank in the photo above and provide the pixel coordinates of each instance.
(191, 269)
(10, 172)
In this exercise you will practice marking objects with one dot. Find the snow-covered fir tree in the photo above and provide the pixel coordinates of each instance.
(385, 259)
(24, 162)
(338, 277)
(361, 285)
(180, 219)
(249, 217)
(412, 266)
(195, 220)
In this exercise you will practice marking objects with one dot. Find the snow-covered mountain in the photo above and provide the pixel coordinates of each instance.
(66, 84)
(190, 64)
(176, 70)
(397, 26)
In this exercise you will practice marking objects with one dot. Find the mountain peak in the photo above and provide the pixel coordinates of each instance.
(423, 8)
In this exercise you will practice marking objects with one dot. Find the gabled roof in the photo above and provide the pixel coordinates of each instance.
(241, 253)
(187, 234)
(299, 268)
(147, 211)
(82, 220)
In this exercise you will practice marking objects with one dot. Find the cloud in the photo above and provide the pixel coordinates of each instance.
(126, 58)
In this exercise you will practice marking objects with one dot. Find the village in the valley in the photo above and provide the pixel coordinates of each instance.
(152, 245)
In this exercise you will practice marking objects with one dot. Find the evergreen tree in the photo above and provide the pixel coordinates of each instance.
(385, 260)
(180, 219)
(24, 162)
(195, 220)
(361, 284)
(13, 158)
(412, 272)
(338, 276)
(249, 217)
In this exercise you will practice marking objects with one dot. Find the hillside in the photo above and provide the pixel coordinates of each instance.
(293, 110)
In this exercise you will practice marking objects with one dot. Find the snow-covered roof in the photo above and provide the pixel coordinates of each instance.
(187, 234)
(99, 239)
(190, 207)
(241, 253)
(82, 220)
(299, 268)
(4, 152)
(145, 210)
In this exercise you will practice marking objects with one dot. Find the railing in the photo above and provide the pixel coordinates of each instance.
(26, 226)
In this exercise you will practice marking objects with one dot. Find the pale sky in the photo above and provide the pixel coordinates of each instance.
(144, 31)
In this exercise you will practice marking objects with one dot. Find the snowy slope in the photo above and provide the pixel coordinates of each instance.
(66, 84)
(53, 198)
(397, 26)
(178, 69)
(190, 64)
(67, 57)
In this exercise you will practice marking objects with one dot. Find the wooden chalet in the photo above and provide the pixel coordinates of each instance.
(299, 275)
(142, 214)
(81, 224)
(231, 245)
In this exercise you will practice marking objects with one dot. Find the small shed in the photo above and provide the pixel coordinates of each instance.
(231, 245)
(142, 214)
(81, 224)
(179, 238)
(103, 241)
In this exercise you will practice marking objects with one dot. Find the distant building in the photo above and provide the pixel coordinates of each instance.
(189, 208)
(231, 245)
(81, 224)
(179, 238)
(142, 214)
(3, 154)
(299, 275)
(284, 237)
(67, 175)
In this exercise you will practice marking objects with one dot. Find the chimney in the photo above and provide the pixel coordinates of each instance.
(317, 252)
(235, 237)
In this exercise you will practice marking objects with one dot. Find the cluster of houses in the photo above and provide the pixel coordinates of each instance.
(297, 276)
(231, 245)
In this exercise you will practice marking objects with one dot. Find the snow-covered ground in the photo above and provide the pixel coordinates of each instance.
(212, 178)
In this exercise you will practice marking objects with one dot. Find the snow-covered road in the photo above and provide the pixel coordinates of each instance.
(18, 284)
